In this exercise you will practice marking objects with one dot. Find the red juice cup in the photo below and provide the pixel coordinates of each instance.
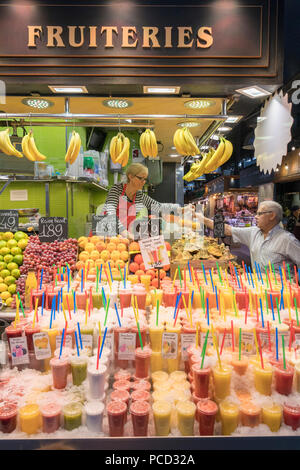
(143, 330)
(8, 417)
(12, 332)
(291, 415)
(38, 294)
(283, 379)
(122, 363)
(125, 297)
(70, 332)
(241, 298)
(81, 300)
(139, 411)
(141, 385)
(140, 395)
(50, 417)
(60, 369)
(186, 294)
(169, 297)
(201, 380)
(142, 362)
(30, 330)
(141, 295)
(122, 385)
(206, 415)
(122, 374)
(116, 413)
(120, 395)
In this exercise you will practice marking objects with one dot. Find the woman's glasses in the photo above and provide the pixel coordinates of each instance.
(141, 178)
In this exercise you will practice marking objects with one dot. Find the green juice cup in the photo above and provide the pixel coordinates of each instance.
(97, 299)
(72, 413)
(79, 369)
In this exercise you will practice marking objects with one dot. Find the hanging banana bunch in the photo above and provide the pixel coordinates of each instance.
(220, 156)
(185, 143)
(6, 146)
(73, 148)
(148, 144)
(119, 149)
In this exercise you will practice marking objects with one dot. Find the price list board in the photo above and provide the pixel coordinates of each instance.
(52, 229)
(9, 220)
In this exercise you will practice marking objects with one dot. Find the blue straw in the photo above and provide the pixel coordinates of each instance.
(246, 267)
(61, 300)
(190, 272)
(280, 272)
(82, 279)
(251, 277)
(100, 272)
(62, 342)
(262, 315)
(276, 335)
(260, 274)
(211, 279)
(192, 298)
(103, 342)
(217, 297)
(43, 299)
(271, 299)
(78, 354)
(51, 317)
(237, 276)
(104, 297)
(68, 279)
(117, 314)
(54, 306)
(110, 271)
(204, 273)
(41, 283)
(74, 300)
(176, 303)
(281, 300)
(207, 310)
(79, 334)
(58, 301)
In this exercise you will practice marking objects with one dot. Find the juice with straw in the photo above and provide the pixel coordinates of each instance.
(30, 418)
(143, 331)
(201, 380)
(142, 362)
(60, 369)
(68, 300)
(222, 381)
(169, 297)
(97, 299)
(229, 414)
(186, 417)
(239, 364)
(284, 379)
(37, 294)
(96, 380)
(125, 297)
(272, 416)
(162, 417)
(13, 331)
(156, 333)
(30, 284)
(122, 363)
(156, 295)
(156, 361)
(263, 378)
(52, 334)
(30, 330)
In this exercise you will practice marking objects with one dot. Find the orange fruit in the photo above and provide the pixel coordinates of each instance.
(138, 259)
(133, 267)
(142, 267)
(114, 240)
(82, 244)
(99, 262)
(79, 265)
(90, 263)
(151, 273)
(105, 255)
(100, 246)
(124, 255)
(120, 263)
(154, 282)
(166, 267)
(134, 246)
(115, 254)
(95, 239)
(121, 247)
(94, 255)
(83, 256)
(81, 239)
(89, 247)
(111, 246)
(93, 271)
(139, 273)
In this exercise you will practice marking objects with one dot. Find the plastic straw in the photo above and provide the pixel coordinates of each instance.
(103, 298)
(61, 342)
(276, 337)
(266, 298)
(232, 335)
(223, 341)
(106, 313)
(157, 311)
(278, 310)
(76, 339)
(204, 348)
(216, 347)
(140, 336)
(283, 352)
(262, 314)
(100, 277)
(260, 351)
(79, 334)
(190, 271)
(207, 310)
(272, 307)
(204, 273)
(82, 280)
(211, 280)
(220, 277)
(179, 274)
(97, 279)
(43, 302)
(117, 314)
(18, 294)
(74, 301)
(237, 276)
(176, 303)
(295, 302)
(41, 281)
(103, 341)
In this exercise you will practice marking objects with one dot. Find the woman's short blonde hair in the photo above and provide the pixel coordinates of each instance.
(136, 168)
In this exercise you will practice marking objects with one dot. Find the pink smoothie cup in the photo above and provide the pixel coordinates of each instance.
(139, 411)
(60, 369)
(206, 412)
(116, 413)
(51, 413)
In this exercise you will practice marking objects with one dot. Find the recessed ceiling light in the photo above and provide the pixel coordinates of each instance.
(199, 104)
(174, 155)
(232, 119)
(68, 89)
(163, 90)
(38, 103)
(253, 92)
(117, 103)
(224, 129)
(188, 124)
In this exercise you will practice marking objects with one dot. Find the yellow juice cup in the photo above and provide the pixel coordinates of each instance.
(133, 278)
(182, 386)
(162, 417)
(156, 362)
(156, 295)
(263, 378)
(146, 280)
(272, 416)
(186, 417)
(159, 375)
(70, 297)
(178, 376)
(197, 300)
(229, 413)
(30, 418)
(163, 386)
(156, 333)
(52, 333)
(222, 381)
(173, 364)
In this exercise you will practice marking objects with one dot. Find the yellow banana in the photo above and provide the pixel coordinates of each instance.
(142, 145)
(153, 144)
(216, 158)
(76, 149)
(178, 142)
(25, 148)
(148, 143)
(227, 152)
(38, 157)
(124, 151)
(191, 144)
(70, 147)
(112, 148)
(6, 146)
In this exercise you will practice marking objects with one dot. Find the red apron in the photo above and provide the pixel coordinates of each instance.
(126, 211)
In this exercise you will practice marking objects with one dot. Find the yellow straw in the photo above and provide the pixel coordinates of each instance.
(86, 310)
(227, 279)
(132, 303)
(17, 317)
(99, 326)
(127, 270)
(184, 302)
(63, 309)
(175, 275)
(256, 344)
(137, 308)
(216, 346)
(193, 276)
(35, 310)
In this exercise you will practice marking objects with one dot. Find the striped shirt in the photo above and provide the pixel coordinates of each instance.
(278, 246)
(144, 204)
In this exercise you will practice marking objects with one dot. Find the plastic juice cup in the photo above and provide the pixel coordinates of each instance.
(12, 332)
(125, 297)
(94, 416)
(146, 281)
(140, 395)
(97, 299)
(116, 413)
(173, 364)
(229, 413)
(120, 395)
(283, 379)
(140, 294)
(133, 278)
(159, 375)
(272, 416)
(201, 380)
(291, 416)
(8, 417)
(60, 369)
(79, 369)
(250, 414)
(263, 378)
(297, 376)
(156, 295)
(143, 331)
(186, 417)
(142, 362)
(206, 414)
(162, 417)
(156, 333)
(69, 296)
(156, 361)
(72, 413)
(139, 411)
(178, 376)
(30, 418)
(96, 380)
(239, 366)
(51, 413)
(119, 329)
(122, 385)
(141, 385)
(123, 374)
(222, 381)
(29, 332)
(52, 333)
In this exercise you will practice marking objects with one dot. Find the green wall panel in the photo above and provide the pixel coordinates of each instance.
(36, 196)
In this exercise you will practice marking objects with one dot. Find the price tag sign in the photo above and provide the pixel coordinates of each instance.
(53, 228)
(169, 345)
(218, 226)
(154, 252)
(104, 225)
(187, 340)
(127, 342)
(41, 345)
(68, 343)
(9, 220)
(19, 351)
(109, 343)
(247, 343)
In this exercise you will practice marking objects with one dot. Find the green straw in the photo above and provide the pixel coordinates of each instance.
(121, 273)
(97, 284)
(140, 336)
(266, 295)
(274, 273)
(179, 274)
(103, 299)
(220, 277)
(240, 344)
(283, 352)
(278, 310)
(204, 349)
(288, 268)
(106, 313)
(18, 293)
(295, 302)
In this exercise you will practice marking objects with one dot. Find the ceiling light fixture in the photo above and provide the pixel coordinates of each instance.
(254, 92)
(68, 89)
(38, 103)
(188, 124)
(171, 90)
(199, 104)
(174, 156)
(117, 103)
(224, 129)
(232, 119)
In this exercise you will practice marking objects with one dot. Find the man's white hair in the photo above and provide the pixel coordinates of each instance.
(274, 207)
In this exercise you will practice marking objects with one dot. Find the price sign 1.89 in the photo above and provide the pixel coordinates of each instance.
(53, 228)
(9, 220)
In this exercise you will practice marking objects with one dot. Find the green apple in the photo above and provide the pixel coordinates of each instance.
(9, 280)
(8, 258)
(18, 259)
(3, 265)
(20, 235)
(11, 243)
(12, 266)
(4, 273)
(2, 243)
(15, 273)
(1, 258)
(12, 288)
(4, 251)
(16, 251)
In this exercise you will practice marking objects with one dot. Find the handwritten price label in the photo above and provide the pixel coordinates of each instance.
(9, 221)
(53, 228)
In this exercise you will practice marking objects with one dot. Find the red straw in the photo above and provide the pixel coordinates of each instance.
(246, 310)
(232, 335)
(244, 271)
(68, 304)
(223, 341)
(260, 351)
(241, 279)
(176, 314)
(197, 280)
(269, 336)
(98, 352)
(91, 301)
